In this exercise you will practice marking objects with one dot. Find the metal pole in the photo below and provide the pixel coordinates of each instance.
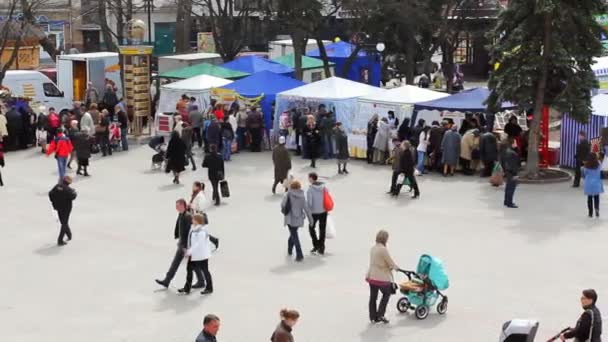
(150, 4)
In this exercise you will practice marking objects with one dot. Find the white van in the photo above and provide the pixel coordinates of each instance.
(38, 87)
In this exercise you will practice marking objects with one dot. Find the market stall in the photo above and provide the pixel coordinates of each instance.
(267, 85)
(337, 94)
(570, 129)
(455, 106)
(366, 67)
(255, 64)
(312, 68)
(198, 87)
(203, 69)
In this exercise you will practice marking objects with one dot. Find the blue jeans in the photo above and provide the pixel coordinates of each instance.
(61, 164)
(510, 186)
(226, 148)
(124, 141)
(240, 137)
(294, 241)
(420, 166)
(328, 146)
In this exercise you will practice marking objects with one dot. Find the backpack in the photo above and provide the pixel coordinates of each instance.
(287, 208)
(54, 121)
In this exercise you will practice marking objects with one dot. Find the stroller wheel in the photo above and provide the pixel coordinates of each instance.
(403, 305)
(422, 312)
(442, 307)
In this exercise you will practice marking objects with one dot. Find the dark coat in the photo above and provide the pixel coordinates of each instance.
(182, 229)
(214, 133)
(512, 130)
(342, 152)
(110, 100)
(313, 137)
(450, 145)
(510, 162)
(281, 161)
(255, 120)
(327, 123)
(372, 129)
(227, 131)
(82, 145)
(488, 147)
(404, 132)
(61, 197)
(583, 326)
(407, 163)
(282, 334)
(215, 165)
(435, 138)
(176, 155)
(583, 150)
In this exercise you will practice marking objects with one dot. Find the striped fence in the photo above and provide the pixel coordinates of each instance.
(569, 137)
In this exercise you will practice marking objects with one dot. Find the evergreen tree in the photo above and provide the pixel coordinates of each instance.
(545, 49)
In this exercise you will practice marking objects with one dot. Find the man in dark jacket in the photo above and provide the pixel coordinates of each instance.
(62, 196)
(510, 165)
(282, 164)
(181, 233)
(589, 325)
(110, 100)
(326, 126)
(407, 168)
(583, 149)
(211, 325)
(255, 125)
(214, 133)
(416, 132)
(435, 138)
(14, 124)
(488, 152)
(215, 165)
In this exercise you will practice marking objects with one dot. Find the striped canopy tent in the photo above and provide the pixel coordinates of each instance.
(571, 128)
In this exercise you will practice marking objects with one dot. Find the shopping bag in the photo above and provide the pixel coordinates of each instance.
(224, 189)
(330, 232)
(328, 202)
(497, 177)
(401, 178)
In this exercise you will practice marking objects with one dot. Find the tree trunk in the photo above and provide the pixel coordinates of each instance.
(350, 61)
(182, 28)
(324, 58)
(410, 61)
(299, 48)
(108, 41)
(534, 134)
(448, 67)
(13, 56)
(46, 44)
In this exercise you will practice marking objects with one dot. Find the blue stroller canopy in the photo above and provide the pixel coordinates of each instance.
(433, 268)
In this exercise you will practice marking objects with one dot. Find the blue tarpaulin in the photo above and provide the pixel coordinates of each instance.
(267, 83)
(366, 67)
(255, 64)
(471, 100)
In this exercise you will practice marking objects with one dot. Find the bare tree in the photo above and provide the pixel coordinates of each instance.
(29, 8)
(230, 23)
(122, 11)
(183, 26)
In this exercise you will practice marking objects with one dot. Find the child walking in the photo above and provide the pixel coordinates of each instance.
(592, 172)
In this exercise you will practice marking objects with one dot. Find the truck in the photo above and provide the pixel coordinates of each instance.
(75, 71)
(37, 87)
(168, 63)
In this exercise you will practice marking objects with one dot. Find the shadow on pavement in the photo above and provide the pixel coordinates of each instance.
(49, 250)
(290, 266)
(179, 303)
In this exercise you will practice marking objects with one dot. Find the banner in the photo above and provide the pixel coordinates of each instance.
(205, 42)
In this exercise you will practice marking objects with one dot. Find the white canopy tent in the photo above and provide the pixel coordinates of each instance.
(198, 87)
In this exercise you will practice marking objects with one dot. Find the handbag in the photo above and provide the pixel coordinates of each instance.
(331, 229)
(286, 209)
(328, 202)
(224, 189)
(214, 241)
(497, 177)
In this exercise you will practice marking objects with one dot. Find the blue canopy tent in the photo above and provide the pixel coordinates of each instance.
(366, 67)
(255, 64)
(264, 83)
(455, 106)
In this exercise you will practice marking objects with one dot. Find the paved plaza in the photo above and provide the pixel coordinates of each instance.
(530, 262)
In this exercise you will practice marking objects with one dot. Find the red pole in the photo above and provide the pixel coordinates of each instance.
(543, 147)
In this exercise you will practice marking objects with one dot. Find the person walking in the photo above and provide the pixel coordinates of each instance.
(123, 120)
(62, 147)
(283, 332)
(396, 166)
(435, 137)
(407, 168)
(488, 152)
(198, 253)
(342, 152)
(312, 139)
(295, 209)
(510, 164)
(227, 136)
(282, 163)
(255, 126)
(176, 156)
(181, 233)
(381, 140)
(61, 197)
(315, 198)
(422, 148)
(594, 186)
(102, 133)
(450, 147)
(187, 133)
(215, 171)
(198, 200)
(372, 130)
(196, 120)
(71, 134)
(214, 133)
(241, 131)
(380, 278)
(583, 150)
(211, 325)
(82, 147)
(589, 326)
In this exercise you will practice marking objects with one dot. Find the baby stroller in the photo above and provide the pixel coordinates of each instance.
(519, 330)
(158, 144)
(422, 290)
(115, 138)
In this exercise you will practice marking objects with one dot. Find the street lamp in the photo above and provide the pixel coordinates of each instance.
(380, 47)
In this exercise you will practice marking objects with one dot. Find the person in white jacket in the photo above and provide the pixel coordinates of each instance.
(87, 121)
(198, 254)
(198, 200)
(423, 145)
